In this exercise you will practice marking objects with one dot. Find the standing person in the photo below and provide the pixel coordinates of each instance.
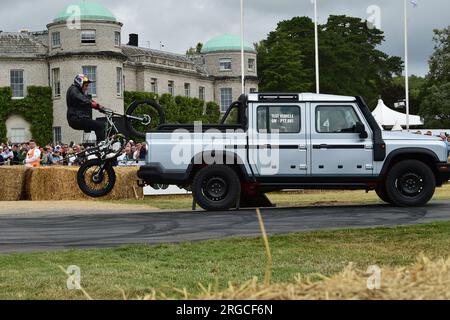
(33, 159)
(79, 108)
(448, 145)
(16, 159)
(2, 160)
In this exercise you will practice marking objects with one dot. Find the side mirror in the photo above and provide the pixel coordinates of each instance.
(361, 129)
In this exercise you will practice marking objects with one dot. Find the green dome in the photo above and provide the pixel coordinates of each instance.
(226, 42)
(88, 11)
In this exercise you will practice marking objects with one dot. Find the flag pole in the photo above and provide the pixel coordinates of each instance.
(316, 43)
(242, 50)
(406, 65)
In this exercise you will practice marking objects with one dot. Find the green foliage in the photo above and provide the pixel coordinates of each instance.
(36, 108)
(435, 93)
(436, 106)
(394, 91)
(350, 63)
(178, 109)
(195, 51)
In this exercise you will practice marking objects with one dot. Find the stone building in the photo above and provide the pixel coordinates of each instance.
(87, 38)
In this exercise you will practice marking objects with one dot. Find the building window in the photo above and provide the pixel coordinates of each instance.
(17, 135)
(171, 87)
(117, 40)
(119, 82)
(88, 36)
(201, 93)
(154, 85)
(17, 85)
(57, 135)
(253, 90)
(56, 82)
(91, 73)
(225, 64)
(251, 64)
(56, 39)
(187, 89)
(226, 98)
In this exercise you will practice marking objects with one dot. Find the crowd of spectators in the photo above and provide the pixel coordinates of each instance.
(16, 154)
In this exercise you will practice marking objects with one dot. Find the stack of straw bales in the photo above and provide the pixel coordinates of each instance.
(60, 183)
(12, 183)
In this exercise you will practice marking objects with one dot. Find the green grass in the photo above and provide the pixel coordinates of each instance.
(138, 269)
(285, 199)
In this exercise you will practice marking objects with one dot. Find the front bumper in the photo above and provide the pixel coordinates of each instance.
(443, 170)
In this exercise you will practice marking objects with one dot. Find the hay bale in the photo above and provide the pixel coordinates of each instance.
(12, 178)
(60, 183)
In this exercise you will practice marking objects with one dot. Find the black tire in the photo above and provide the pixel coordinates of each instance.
(382, 194)
(216, 187)
(410, 183)
(86, 178)
(144, 107)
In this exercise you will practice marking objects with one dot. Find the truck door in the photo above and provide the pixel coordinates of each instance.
(277, 145)
(336, 148)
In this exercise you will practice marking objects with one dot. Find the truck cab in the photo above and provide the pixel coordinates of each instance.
(276, 141)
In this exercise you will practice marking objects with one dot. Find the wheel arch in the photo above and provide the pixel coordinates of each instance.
(421, 154)
(227, 158)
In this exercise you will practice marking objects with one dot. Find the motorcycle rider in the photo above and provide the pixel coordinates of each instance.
(79, 108)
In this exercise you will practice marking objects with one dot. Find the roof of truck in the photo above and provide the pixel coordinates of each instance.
(298, 97)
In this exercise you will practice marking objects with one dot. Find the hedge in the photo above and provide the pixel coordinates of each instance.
(36, 108)
(178, 109)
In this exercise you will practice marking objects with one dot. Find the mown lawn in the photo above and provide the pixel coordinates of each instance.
(139, 269)
(286, 199)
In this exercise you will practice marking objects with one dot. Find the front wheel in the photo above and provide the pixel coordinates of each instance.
(143, 116)
(216, 187)
(96, 178)
(382, 194)
(410, 183)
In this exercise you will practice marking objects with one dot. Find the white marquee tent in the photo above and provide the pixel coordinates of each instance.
(387, 117)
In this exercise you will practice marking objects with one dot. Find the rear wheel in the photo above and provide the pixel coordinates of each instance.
(143, 116)
(96, 178)
(410, 183)
(216, 187)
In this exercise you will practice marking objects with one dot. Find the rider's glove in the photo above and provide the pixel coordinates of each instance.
(95, 105)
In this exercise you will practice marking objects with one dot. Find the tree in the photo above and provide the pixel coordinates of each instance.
(350, 63)
(436, 106)
(394, 91)
(436, 91)
(195, 51)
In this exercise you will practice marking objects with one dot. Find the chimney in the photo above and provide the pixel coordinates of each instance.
(134, 40)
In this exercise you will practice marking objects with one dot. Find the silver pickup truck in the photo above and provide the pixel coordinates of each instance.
(269, 142)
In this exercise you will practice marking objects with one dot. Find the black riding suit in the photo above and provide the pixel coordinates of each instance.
(79, 113)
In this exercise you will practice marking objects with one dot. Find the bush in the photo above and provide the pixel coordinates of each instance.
(178, 109)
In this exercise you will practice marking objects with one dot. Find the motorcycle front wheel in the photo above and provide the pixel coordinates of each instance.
(96, 178)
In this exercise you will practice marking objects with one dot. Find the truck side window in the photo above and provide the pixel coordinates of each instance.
(336, 119)
(282, 119)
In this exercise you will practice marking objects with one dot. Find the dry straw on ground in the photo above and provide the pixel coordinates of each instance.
(12, 179)
(422, 281)
(60, 183)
